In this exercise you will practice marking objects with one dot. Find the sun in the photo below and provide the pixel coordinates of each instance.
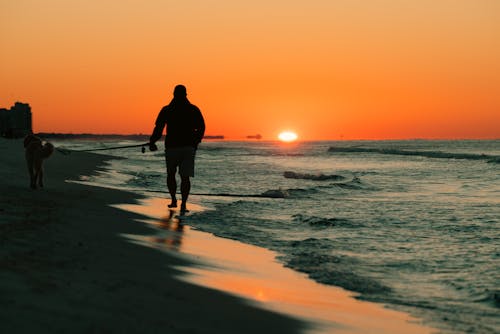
(287, 136)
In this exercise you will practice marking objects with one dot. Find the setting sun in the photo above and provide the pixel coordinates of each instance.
(287, 136)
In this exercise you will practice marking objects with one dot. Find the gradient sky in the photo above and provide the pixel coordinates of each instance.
(328, 69)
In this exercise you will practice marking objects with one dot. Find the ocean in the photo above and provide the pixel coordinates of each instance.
(411, 224)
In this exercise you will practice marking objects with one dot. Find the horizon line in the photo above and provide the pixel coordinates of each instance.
(223, 137)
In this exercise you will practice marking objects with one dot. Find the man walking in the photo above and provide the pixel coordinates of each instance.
(185, 129)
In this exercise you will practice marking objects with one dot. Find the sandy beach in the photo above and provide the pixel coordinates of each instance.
(73, 260)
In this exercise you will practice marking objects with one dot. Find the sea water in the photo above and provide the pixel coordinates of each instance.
(411, 224)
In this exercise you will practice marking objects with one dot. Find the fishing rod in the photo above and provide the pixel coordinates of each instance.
(66, 151)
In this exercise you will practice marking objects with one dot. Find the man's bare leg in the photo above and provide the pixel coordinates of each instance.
(172, 189)
(185, 188)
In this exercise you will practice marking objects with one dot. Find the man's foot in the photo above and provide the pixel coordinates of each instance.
(183, 208)
(173, 204)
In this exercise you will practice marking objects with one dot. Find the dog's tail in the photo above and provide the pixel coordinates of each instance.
(47, 150)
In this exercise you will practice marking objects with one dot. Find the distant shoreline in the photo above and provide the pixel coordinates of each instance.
(139, 136)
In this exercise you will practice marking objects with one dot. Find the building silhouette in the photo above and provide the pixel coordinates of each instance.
(16, 122)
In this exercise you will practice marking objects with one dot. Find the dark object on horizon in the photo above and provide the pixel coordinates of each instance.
(213, 137)
(16, 122)
(257, 136)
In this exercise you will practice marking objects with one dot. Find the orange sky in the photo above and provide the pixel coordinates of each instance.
(356, 69)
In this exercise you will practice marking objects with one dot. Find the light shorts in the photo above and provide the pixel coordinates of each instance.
(182, 157)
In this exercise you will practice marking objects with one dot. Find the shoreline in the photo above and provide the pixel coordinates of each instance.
(253, 273)
(66, 266)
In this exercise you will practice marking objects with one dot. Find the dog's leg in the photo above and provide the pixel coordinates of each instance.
(40, 175)
(38, 171)
(29, 162)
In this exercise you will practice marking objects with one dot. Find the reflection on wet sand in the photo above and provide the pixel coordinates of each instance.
(171, 240)
(170, 229)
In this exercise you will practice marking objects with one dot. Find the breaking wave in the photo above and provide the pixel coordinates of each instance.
(321, 222)
(271, 193)
(354, 184)
(275, 193)
(491, 297)
(314, 177)
(428, 154)
(310, 256)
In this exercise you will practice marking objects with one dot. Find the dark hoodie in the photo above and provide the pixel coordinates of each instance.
(184, 121)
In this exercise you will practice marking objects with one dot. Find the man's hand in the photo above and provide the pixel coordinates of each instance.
(153, 147)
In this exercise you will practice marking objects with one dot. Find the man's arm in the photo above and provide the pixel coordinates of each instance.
(200, 127)
(158, 130)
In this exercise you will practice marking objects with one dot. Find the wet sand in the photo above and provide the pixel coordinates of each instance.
(73, 260)
(254, 273)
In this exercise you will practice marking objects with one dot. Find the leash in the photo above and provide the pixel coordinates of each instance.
(66, 151)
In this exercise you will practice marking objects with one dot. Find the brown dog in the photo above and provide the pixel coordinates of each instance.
(35, 154)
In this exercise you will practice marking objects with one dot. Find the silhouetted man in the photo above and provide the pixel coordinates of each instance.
(185, 130)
